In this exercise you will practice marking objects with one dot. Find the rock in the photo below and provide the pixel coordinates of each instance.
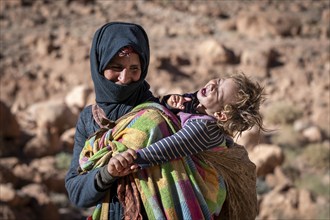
(7, 175)
(11, 197)
(52, 177)
(38, 192)
(306, 203)
(7, 193)
(216, 53)
(261, 57)
(278, 179)
(321, 121)
(44, 208)
(76, 99)
(301, 124)
(9, 128)
(43, 47)
(266, 157)
(51, 115)
(287, 205)
(46, 142)
(7, 212)
(67, 139)
(26, 174)
(312, 134)
(260, 25)
(44, 166)
(10, 132)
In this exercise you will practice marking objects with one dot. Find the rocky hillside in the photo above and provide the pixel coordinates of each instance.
(45, 81)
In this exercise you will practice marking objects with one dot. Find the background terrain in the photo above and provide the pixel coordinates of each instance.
(45, 81)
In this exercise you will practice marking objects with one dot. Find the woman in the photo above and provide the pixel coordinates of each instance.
(119, 86)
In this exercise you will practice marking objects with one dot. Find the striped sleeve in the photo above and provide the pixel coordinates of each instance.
(196, 136)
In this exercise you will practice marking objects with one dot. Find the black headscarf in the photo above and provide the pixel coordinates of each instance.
(116, 100)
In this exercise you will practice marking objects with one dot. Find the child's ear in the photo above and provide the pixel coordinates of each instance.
(220, 116)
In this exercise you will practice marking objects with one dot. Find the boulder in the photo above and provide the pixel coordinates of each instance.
(266, 157)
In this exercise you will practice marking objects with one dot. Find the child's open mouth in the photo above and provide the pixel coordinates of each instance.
(203, 91)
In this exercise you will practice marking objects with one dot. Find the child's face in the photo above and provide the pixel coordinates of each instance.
(216, 94)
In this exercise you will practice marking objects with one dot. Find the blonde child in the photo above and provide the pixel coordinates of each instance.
(210, 117)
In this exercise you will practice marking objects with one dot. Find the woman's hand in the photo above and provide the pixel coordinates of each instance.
(122, 164)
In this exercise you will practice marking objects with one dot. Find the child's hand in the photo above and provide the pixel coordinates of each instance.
(122, 164)
(177, 101)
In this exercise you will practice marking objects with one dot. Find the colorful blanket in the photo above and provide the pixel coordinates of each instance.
(186, 188)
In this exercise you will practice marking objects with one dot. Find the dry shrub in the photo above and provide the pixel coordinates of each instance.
(317, 156)
(282, 113)
(63, 160)
(287, 137)
(313, 183)
(323, 211)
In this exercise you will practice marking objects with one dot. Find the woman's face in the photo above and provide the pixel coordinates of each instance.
(123, 70)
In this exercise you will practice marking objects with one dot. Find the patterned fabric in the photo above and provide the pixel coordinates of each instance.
(186, 188)
(199, 133)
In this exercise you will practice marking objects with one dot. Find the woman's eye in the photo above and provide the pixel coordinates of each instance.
(116, 68)
(134, 69)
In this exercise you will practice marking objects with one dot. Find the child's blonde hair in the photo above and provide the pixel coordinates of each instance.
(244, 113)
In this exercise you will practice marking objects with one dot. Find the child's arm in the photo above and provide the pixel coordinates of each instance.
(170, 104)
(177, 101)
(195, 137)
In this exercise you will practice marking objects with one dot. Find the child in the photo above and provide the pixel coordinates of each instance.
(210, 117)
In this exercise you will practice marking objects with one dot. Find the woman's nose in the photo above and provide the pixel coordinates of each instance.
(123, 77)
